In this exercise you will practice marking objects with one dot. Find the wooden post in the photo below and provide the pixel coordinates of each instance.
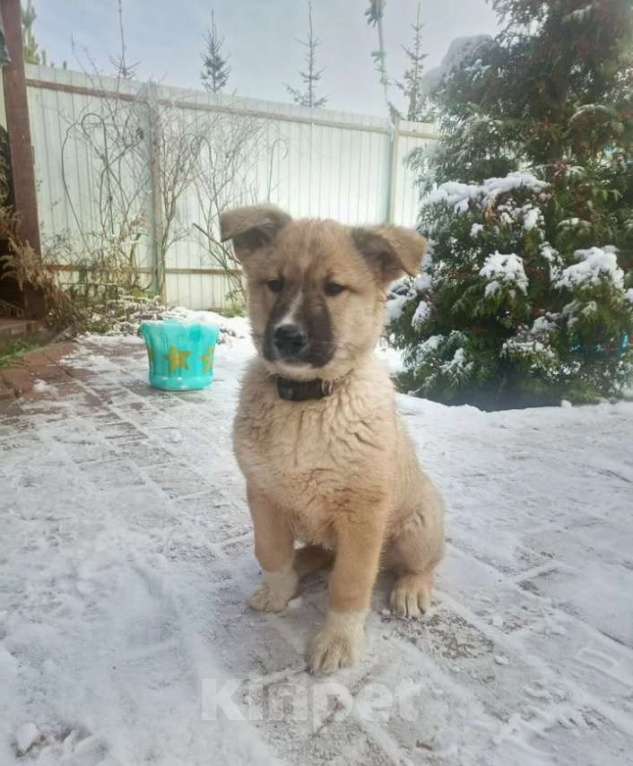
(18, 128)
(157, 225)
(22, 173)
(392, 179)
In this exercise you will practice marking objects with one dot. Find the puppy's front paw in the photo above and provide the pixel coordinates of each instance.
(330, 651)
(276, 591)
(339, 644)
(265, 599)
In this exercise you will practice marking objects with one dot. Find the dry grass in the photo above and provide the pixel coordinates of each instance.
(22, 264)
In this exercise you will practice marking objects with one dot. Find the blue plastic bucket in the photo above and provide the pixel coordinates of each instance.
(180, 354)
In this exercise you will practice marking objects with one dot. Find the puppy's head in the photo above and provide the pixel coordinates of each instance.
(316, 288)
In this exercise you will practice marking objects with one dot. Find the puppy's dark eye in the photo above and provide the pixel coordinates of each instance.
(333, 288)
(275, 285)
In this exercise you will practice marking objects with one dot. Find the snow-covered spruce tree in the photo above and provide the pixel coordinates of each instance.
(527, 296)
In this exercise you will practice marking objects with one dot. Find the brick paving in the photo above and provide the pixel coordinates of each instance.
(526, 658)
(43, 364)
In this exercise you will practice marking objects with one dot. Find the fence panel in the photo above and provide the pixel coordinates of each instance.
(312, 163)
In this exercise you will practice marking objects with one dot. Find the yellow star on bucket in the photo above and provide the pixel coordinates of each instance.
(178, 360)
(207, 359)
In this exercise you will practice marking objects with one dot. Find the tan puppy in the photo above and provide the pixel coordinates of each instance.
(326, 459)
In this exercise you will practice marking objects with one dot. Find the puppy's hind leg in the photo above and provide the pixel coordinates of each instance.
(413, 554)
(411, 595)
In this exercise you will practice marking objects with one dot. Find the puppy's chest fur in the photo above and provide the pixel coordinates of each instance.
(313, 459)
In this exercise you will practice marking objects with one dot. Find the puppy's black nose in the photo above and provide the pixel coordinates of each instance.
(289, 340)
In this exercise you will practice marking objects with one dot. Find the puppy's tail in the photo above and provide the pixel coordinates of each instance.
(311, 558)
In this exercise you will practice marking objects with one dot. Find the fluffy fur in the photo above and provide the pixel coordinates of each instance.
(338, 474)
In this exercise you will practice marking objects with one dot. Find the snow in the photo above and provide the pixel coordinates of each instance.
(575, 223)
(125, 316)
(591, 109)
(595, 265)
(628, 295)
(127, 559)
(395, 307)
(531, 217)
(476, 229)
(504, 270)
(580, 14)
(540, 354)
(40, 386)
(590, 308)
(237, 327)
(390, 357)
(459, 49)
(552, 256)
(477, 69)
(459, 195)
(25, 737)
(423, 282)
(543, 324)
(422, 314)
(457, 367)
(428, 347)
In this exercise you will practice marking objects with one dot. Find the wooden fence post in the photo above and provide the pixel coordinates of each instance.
(392, 178)
(20, 149)
(17, 114)
(157, 226)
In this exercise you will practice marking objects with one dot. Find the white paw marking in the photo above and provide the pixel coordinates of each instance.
(339, 644)
(276, 591)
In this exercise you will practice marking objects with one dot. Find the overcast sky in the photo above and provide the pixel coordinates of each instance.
(166, 37)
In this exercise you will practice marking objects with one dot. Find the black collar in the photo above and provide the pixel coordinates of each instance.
(303, 390)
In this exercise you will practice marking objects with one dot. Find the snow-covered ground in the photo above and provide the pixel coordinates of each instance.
(125, 562)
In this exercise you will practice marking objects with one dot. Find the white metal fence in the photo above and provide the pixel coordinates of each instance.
(319, 163)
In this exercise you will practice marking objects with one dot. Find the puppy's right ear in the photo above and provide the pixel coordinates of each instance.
(251, 227)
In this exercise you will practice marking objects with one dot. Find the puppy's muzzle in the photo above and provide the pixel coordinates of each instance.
(290, 342)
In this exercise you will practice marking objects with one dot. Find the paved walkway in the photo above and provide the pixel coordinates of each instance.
(126, 560)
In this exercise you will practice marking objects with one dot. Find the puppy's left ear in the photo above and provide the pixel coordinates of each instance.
(391, 251)
(252, 228)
